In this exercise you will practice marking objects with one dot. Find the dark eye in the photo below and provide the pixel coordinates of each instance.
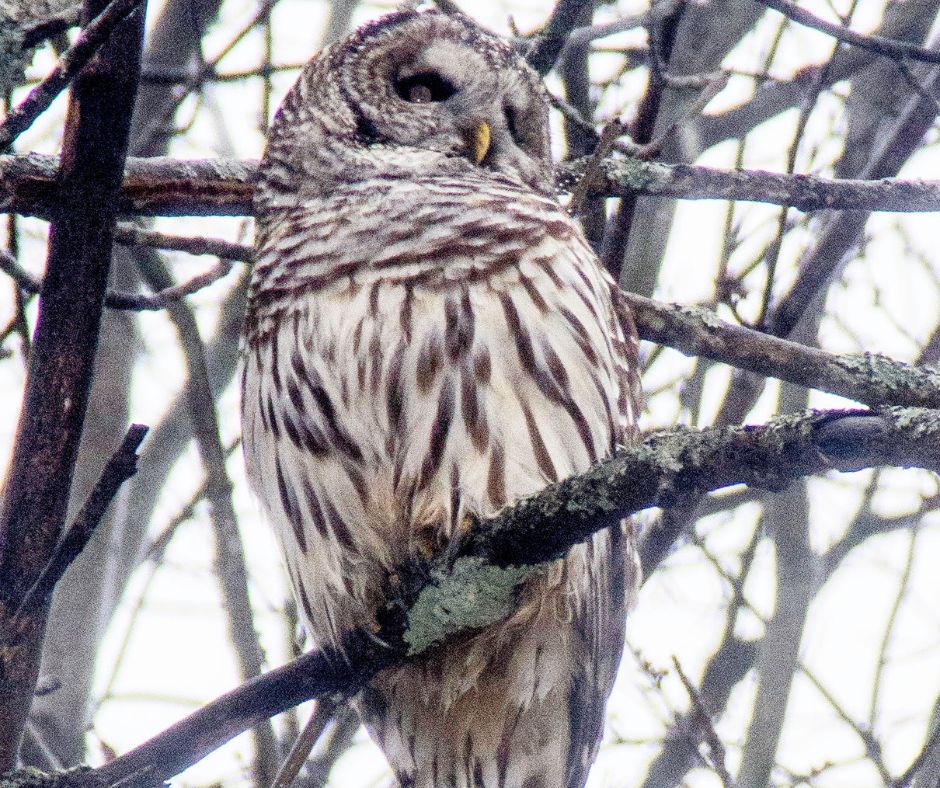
(424, 88)
(510, 114)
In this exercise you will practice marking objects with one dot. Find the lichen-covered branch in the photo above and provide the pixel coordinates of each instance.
(427, 604)
(624, 177)
(163, 186)
(868, 378)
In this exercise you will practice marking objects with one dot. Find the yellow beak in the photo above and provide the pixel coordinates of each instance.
(480, 142)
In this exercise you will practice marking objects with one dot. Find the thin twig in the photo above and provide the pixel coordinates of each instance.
(121, 467)
(157, 125)
(714, 85)
(128, 234)
(716, 748)
(592, 169)
(896, 50)
(899, 597)
(121, 299)
(319, 719)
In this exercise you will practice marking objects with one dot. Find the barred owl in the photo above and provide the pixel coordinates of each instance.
(429, 338)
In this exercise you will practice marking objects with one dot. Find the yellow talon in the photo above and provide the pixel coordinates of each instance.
(480, 142)
(467, 523)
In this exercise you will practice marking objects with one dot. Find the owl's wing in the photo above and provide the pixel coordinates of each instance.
(613, 565)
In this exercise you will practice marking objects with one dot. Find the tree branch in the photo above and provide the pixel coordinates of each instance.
(627, 176)
(72, 61)
(120, 468)
(868, 378)
(62, 357)
(550, 41)
(423, 610)
(896, 50)
(162, 186)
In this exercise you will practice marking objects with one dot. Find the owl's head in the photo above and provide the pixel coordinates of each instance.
(414, 93)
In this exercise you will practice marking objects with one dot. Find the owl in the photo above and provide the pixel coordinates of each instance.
(428, 339)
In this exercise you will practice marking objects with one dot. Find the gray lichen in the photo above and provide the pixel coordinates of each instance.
(886, 373)
(916, 422)
(12, 55)
(30, 777)
(707, 316)
(635, 174)
(473, 595)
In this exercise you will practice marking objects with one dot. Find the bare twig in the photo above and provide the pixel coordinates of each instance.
(714, 84)
(716, 755)
(865, 735)
(896, 50)
(592, 168)
(900, 595)
(120, 299)
(130, 235)
(157, 125)
(120, 468)
(72, 61)
(319, 719)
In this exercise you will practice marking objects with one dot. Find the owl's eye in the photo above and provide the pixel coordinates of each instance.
(510, 113)
(424, 88)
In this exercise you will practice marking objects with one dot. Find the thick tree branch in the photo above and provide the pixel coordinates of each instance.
(163, 186)
(62, 358)
(473, 589)
(157, 186)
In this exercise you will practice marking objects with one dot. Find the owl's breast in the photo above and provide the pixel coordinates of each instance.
(378, 416)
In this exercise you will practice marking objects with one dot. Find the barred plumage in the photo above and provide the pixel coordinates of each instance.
(429, 336)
